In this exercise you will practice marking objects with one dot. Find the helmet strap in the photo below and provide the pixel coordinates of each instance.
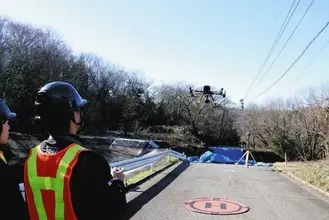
(80, 123)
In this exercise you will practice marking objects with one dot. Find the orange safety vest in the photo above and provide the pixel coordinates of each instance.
(47, 183)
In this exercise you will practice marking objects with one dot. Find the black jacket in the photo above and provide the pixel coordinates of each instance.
(12, 204)
(92, 196)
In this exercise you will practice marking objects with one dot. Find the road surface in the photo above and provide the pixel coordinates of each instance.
(269, 195)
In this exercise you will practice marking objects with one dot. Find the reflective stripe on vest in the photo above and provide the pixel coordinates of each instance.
(38, 183)
(2, 157)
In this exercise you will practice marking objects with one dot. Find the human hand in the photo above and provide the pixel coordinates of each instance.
(118, 173)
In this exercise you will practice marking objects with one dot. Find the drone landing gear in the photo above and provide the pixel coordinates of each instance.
(207, 98)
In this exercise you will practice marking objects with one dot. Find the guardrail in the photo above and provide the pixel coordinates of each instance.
(134, 163)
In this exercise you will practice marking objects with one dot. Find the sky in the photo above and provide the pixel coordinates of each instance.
(221, 43)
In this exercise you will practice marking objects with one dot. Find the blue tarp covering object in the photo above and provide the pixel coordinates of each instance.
(234, 153)
(226, 155)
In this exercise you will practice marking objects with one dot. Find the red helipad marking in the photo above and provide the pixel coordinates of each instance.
(216, 206)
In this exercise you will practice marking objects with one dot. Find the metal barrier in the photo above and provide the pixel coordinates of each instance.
(134, 163)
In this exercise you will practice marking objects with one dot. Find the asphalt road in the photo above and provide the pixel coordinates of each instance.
(269, 195)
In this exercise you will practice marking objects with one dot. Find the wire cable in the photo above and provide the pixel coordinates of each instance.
(306, 48)
(310, 63)
(292, 33)
(282, 29)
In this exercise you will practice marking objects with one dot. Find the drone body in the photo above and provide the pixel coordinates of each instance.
(207, 93)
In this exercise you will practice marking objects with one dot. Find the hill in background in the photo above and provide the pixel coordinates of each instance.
(177, 138)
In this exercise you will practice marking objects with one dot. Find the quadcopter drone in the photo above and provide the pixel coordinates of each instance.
(207, 93)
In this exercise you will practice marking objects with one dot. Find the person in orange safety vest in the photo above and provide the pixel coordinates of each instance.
(62, 179)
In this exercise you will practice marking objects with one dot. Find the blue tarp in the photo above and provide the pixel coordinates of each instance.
(227, 155)
(234, 153)
(193, 158)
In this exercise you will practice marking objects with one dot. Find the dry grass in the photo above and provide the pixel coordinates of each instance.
(313, 172)
(145, 172)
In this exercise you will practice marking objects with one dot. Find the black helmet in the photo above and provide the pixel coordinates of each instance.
(5, 113)
(58, 100)
(60, 92)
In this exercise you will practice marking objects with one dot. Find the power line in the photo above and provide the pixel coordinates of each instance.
(282, 29)
(292, 33)
(294, 61)
(310, 63)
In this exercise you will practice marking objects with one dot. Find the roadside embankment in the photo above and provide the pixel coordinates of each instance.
(313, 173)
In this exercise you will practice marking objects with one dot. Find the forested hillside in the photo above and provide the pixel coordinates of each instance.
(124, 101)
